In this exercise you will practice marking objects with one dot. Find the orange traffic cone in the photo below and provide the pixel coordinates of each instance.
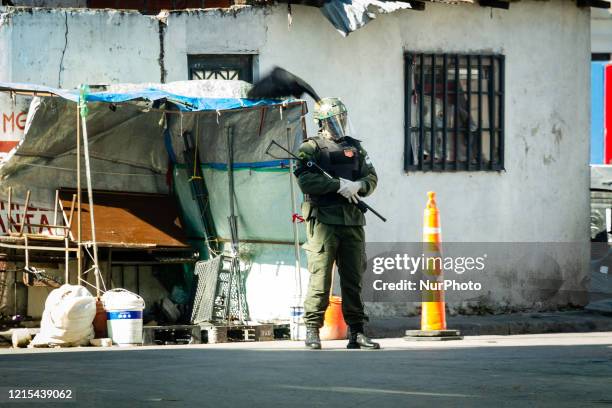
(433, 314)
(334, 326)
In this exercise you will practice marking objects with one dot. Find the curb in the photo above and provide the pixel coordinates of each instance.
(509, 324)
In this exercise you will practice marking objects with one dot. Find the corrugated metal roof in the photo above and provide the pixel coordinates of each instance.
(129, 220)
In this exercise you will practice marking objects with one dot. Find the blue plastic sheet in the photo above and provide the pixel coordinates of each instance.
(183, 103)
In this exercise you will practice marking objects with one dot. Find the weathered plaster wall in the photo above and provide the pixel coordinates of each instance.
(601, 30)
(546, 140)
(65, 48)
(541, 197)
(543, 194)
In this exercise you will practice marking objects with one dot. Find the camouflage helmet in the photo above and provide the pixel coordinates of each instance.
(328, 107)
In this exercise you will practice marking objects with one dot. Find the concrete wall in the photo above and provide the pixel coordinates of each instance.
(601, 30)
(542, 196)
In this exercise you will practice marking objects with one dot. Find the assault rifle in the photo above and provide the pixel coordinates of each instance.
(363, 207)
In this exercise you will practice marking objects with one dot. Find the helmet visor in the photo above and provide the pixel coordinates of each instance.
(336, 126)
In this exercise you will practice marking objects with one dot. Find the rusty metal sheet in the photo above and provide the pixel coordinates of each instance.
(130, 220)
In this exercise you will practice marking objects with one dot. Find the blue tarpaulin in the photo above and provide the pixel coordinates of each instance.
(183, 103)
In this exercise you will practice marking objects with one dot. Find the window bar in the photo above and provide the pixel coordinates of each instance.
(421, 99)
(492, 125)
(432, 116)
(444, 109)
(408, 113)
(480, 112)
(468, 153)
(456, 117)
(502, 63)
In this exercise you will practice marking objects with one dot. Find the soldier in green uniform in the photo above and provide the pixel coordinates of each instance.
(334, 224)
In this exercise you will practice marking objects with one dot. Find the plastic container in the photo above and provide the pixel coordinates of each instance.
(124, 314)
(296, 325)
(334, 327)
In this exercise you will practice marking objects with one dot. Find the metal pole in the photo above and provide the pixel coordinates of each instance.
(91, 206)
(296, 237)
(15, 291)
(109, 275)
(138, 279)
(66, 262)
(232, 223)
(79, 201)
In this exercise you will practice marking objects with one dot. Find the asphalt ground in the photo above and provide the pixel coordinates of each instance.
(556, 370)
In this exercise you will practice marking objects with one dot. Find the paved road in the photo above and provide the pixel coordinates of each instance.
(561, 370)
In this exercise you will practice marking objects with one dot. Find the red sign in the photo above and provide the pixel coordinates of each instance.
(608, 115)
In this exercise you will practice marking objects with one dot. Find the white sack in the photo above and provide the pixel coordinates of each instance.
(67, 319)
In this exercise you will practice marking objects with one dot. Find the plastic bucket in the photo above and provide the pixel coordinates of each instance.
(124, 314)
(335, 327)
(296, 325)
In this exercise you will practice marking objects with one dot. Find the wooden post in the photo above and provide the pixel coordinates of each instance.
(10, 204)
(66, 241)
(55, 205)
(66, 262)
(70, 216)
(25, 213)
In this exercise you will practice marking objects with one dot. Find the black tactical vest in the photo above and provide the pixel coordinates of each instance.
(341, 159)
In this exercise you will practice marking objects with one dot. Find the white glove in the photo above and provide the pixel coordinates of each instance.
(349, 189)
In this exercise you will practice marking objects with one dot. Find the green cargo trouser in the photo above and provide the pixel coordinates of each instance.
(346, 246)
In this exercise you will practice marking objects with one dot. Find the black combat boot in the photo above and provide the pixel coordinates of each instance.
(359, 340)
(313, 341)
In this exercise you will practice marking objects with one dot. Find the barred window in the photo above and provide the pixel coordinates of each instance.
(221, 66)
(464, 94)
